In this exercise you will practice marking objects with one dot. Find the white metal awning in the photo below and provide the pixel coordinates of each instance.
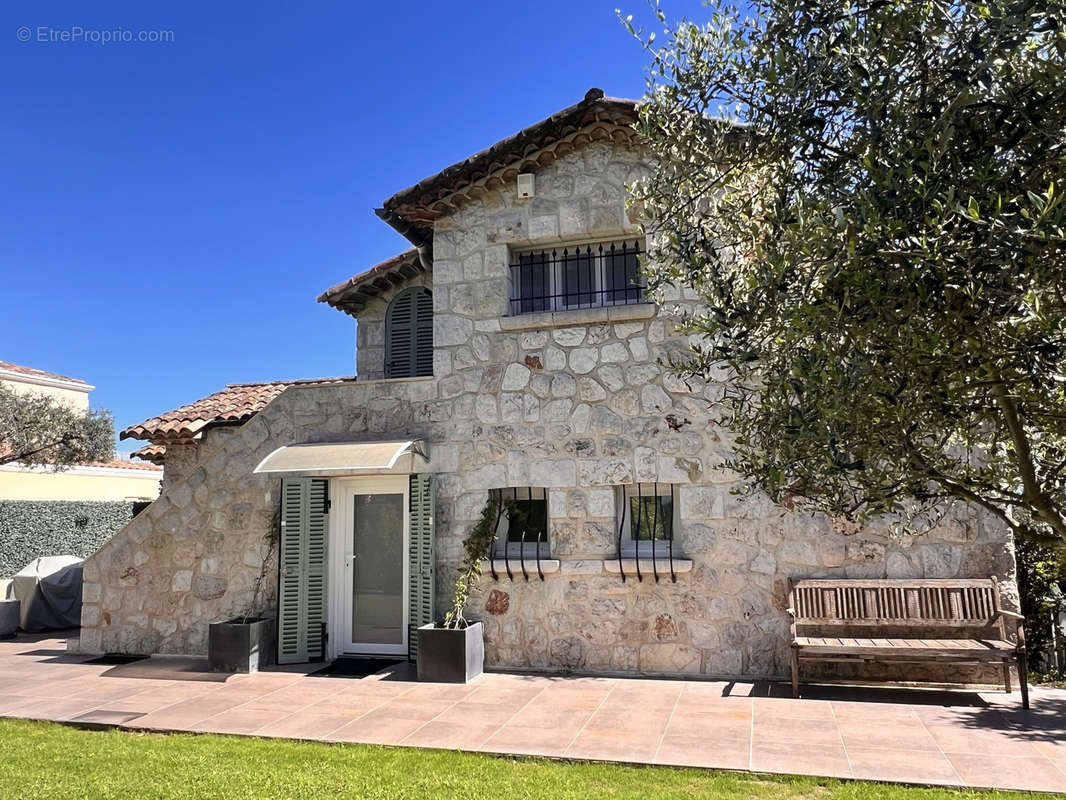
(347, 458)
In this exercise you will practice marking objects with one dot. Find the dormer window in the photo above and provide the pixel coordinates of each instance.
(409, 334)
(566, 277)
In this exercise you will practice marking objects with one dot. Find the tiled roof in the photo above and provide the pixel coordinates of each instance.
(411, 211)
(152, 453)
(351, 296)
(7, 366)
(121, 463)
(236, 403)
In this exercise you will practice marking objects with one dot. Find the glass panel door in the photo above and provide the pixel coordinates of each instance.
(375, 572)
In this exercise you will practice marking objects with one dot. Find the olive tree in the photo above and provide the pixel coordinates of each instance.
(866, 197)
(36, 429)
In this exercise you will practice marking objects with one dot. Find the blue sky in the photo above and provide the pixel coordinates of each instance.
(170, 211)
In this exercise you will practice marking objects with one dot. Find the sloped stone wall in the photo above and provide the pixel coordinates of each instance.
(195, 555)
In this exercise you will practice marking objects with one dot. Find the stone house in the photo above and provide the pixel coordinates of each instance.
(510, 350)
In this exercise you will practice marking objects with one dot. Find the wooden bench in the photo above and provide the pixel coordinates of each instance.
(936, 605)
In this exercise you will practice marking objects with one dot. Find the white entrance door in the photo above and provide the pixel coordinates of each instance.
(371, 565)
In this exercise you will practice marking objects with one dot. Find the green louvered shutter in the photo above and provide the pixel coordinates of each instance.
(409, 335)
(302, 565)
(423, 334)
(421, 568)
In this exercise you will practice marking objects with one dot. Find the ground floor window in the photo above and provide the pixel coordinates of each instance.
(647, 519)
(523, 523)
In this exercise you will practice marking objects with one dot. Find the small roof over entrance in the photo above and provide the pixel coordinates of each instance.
(346, 458)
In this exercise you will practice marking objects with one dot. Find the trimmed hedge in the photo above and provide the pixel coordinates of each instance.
(33, 528)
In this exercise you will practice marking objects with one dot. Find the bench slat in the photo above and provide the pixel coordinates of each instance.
(990, 649)
(947, 583)
(877, 603)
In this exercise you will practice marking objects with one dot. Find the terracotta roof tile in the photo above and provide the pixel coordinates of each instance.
(351, 296)
(152, 453)
(236, 403)
(7, 366)
(411, 210)
(121, 463)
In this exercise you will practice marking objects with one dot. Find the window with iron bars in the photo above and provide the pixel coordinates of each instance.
(647, 523)
(520, 532)
(576, 276)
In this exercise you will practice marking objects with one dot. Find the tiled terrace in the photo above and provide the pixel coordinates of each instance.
(952, 738)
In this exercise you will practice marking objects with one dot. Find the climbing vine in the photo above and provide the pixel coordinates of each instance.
(476, 548)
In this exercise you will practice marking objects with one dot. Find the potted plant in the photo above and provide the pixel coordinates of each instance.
(453, 649)
(246, 642)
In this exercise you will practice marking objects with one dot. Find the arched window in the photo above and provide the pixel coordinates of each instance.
(409, 334)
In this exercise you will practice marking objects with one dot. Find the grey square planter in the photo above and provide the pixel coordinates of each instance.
(9, 617)
(238, 646)
(451, 656)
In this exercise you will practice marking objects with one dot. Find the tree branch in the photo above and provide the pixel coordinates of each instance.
(1031, 489)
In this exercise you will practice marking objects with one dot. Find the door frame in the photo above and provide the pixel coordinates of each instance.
(341, 492)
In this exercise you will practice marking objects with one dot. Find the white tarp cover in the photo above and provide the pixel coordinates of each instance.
(333, 458)
(50, 590)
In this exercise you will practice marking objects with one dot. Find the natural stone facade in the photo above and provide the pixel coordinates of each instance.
(576, 402)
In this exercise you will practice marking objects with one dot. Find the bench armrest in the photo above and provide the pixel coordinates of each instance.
(791, 612)
(1011, 614)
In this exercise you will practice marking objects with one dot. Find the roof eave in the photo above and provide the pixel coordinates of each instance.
(594, 97)
(145, 434)
(351, 296)
(191, 420)
(408, 211)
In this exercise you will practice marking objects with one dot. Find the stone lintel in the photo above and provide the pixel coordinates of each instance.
(578, 316)
(422, 379)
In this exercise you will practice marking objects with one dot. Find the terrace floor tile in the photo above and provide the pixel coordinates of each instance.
(954, 738)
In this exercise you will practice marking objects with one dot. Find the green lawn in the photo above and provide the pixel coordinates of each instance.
(42, 760)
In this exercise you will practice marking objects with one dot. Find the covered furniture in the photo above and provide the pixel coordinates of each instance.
(951, 615)
(49, 589)
(9, 610)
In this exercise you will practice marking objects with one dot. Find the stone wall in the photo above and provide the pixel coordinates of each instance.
(195, 555)
(576, 402)
(581, 404)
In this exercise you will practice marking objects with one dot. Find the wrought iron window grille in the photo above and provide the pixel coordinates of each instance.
(575, 277)
(636, 524)
(502, 497)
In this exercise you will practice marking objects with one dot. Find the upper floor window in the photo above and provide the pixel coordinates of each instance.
(576, 276)
(409, 334)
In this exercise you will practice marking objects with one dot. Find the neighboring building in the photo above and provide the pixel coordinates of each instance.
(26, 380)
(511, 349)
(115, 481)
(73, 511)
